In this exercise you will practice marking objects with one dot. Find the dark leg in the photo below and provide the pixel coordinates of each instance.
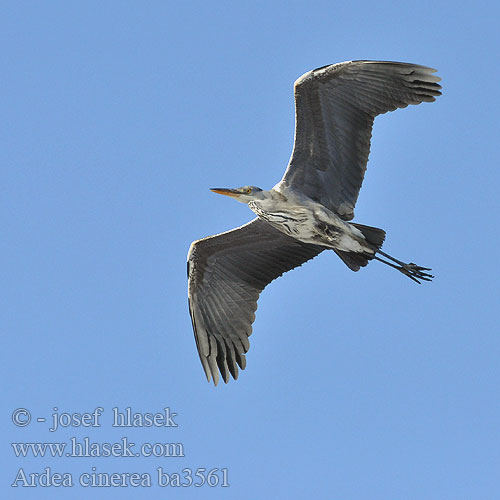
(411, 270)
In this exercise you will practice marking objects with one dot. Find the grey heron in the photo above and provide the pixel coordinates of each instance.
(308, 211)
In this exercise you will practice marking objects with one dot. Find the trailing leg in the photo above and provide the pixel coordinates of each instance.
(411, 270)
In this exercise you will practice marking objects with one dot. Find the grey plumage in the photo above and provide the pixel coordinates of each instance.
(334, 111)
(226, 274)
(335, 108)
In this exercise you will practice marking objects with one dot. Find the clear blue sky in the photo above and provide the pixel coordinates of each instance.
(116, 118)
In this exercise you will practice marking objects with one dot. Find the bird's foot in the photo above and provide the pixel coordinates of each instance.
(415, 272)
(411, 270)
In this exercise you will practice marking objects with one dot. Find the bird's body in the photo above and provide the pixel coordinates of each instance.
(308, 221)
(308, 211)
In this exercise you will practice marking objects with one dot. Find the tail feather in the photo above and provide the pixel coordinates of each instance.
(356, 260)
(373, 235)
(353, 260)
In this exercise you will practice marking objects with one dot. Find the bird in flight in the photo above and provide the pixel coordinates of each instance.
(308, 211)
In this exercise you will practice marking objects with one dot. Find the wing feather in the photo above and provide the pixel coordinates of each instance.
(334, 111)
(226, 274)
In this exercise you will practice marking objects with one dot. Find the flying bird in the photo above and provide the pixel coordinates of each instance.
(308, 211)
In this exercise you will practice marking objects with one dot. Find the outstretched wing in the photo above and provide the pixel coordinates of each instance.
(334, 111)
(226, 274)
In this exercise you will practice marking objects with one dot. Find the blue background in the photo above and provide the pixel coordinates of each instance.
(116, 118)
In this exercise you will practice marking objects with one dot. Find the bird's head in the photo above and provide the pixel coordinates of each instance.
(243, 194)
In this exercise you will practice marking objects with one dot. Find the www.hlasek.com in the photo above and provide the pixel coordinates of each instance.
(85, 447)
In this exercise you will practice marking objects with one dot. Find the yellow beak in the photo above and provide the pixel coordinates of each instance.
(234, 193)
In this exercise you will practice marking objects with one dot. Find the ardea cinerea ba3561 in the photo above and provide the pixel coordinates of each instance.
(308, 211)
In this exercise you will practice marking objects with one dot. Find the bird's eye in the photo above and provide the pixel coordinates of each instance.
(249, 190)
